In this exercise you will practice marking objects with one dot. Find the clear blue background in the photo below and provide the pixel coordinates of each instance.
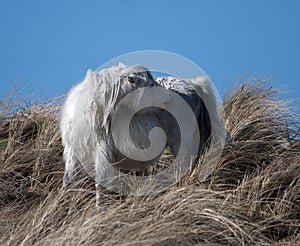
(49, 45)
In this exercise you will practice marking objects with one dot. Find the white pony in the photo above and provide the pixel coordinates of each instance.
(87, 113)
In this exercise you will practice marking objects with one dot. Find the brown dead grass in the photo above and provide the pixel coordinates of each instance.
(253, 196)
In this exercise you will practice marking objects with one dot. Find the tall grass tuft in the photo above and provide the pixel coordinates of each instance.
(252, 197)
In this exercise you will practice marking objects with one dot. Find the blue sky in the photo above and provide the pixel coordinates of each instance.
(49, 45)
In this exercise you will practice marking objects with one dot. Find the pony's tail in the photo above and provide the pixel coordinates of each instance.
(210, 123)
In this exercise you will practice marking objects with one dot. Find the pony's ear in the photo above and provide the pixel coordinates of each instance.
(89, 73)
(121, 64)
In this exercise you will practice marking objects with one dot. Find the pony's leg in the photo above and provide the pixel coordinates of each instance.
(70, 166)
(98, 194)
(102, 173)
(101, 198)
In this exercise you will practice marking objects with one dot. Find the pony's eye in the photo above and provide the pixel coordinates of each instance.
(131, 80)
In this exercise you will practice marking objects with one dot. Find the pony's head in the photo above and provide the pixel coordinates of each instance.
(109, 86)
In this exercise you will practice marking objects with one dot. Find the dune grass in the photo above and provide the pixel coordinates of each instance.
(252, 197)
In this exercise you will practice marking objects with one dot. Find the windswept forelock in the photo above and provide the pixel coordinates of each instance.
(122, 69)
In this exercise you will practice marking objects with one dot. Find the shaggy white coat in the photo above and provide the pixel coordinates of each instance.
(86, 115)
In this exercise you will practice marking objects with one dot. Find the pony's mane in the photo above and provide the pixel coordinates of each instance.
(105, 86)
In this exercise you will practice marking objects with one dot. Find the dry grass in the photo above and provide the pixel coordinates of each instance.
(253, 197)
